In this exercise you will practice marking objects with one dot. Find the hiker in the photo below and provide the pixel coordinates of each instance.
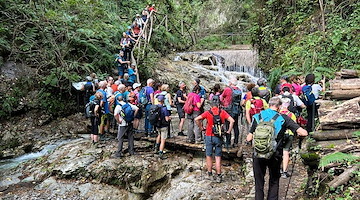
(147, 99)
(181, 97)
(231, 99)
(215, 94)
(139, 20)
(121, 92)
(145, 15)
(288, 138)
(215, 118)
(309, 101)
(122, 64)
(248, 95)
(254, 105)
(125, 43)
(124, 114)
(136, 123)
(95, 118)
(89, 89)
(157, 88)
(202, 93)
(95, 79)
(152, 8)
(167, 101)
(266, 124)
(283, 82)
(163, 122)
(296, 84)
(104, 123)
(135, 30)
(109, 90)
(192, 109)
(132, 74)
(264, 91)
(125, 79)
(115, 86)
(295, 101)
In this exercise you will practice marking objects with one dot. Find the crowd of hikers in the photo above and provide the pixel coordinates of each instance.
(269, 119)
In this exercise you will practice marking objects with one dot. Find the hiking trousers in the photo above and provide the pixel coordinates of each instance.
(236, 131)
(148, 127)
(193, 129)
(259, 168)
(130, 135)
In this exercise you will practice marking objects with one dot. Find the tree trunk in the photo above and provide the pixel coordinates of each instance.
(343, 178)
(345, 84)
(344, 116)
(347, 73)
(344, 94)
(333, 134)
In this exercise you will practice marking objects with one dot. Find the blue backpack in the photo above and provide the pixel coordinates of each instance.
(143, 97)
(309, 97)
(128, 113)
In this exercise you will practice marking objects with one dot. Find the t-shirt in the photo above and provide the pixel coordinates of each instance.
(196, 99)
(118, 111)
(282, 123)
(124, 65)
(114, 87)
(202, 93)
(109, 91)
(163, 113)
(149, 90)
(316, 88)
(210, 119)
(248, 104)
(227, 96)
(180, 94)
(104, 99)
(132, 75)
(292, 116)
(297, 88)
(136, 29)
(297, 100)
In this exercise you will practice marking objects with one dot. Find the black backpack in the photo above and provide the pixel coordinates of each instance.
(292, 106)
(218, 126)
(89, 109)
(155, 117)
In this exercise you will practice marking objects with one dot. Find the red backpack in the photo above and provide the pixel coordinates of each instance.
(189, 105)
(287, 85)
(257, 106)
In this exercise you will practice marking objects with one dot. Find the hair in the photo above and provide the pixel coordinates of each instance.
(196, 88)
(310, 79)
(157, 85)
(197, 80)
(92, 75)
(121, 87)
(149, 81)
(275, 101)
(261, 81)
(119, 97)
(180, 83)
(255, 91)
(216, 88)
(110, 78)
(126, 76)
(250, 86)
(99, 95)
(284, 78)
(285, 89)
(164, 87)
(233, 80)
(102, 84)
(293, 79)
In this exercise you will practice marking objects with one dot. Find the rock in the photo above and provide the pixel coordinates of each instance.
(206, 60)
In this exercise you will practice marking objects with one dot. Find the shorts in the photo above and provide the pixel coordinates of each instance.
(288, 140)
(104, 119)
(180, 111)
(95, 121)
(162, 132)
(121, 71)
(213, 142)
(139, 114)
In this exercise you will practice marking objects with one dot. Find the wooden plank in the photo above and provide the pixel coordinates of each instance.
(345, 84)
(344, 94)
(333, 134)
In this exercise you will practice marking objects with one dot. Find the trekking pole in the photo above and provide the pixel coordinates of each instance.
(292, 169)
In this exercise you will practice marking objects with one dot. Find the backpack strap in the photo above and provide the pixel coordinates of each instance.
(275, 117)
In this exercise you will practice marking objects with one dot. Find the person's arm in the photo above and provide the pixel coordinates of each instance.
(198, 104)
(247, 111)
(170, 99)
(294, 127)
(93, 86)
(302, 132)
(152, 98)
(123, 62)
(198, 120)
(96, 110)
(117, 115)
(232, 121)
(249, 137)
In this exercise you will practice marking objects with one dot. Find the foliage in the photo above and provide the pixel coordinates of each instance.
(336, 158)
(291, 40)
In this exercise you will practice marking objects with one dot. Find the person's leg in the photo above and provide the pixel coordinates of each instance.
(236, 130)
(130, 134)
(102, 125)
(96, 129)
(259, 168)
(157, 143)
(218, 153)
(147, 122)
(274, 176)
(310, 118)
(209, 164)
(218, 164)
(181, 125)
(107, 123)
(197, 132)
(209, 152)
(285, 162)
(120, 137)
(191, 136)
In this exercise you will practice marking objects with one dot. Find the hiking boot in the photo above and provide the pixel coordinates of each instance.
(118, 155)
(209, 176)
(199, 142)
(162, 156)
(235, 145)
(181, 134)
(218, 178)
(285, 175)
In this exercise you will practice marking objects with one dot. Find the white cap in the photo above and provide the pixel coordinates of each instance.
(135, 85)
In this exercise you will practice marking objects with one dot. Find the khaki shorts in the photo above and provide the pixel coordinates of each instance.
(162, 132)
(104, 119)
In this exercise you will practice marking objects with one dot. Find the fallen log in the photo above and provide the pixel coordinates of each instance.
(344, 116)
(345, 84)
(347, 73)
(343, 178)
(343, 94)
(334, 134)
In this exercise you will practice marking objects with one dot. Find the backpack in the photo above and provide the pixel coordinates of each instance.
(218, 128)
(257, 105)
(116, 60)
(287, 85)
(236, 98)
(88, 87)
(127, 113)
(309, 97)
(155, 117)
(264, 138)
(89, 109)
(292, 105)
(216, 99)
(143, 97)
(189, 105)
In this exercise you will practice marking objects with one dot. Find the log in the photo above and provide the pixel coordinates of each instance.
(334, 134)
(345, 84)
(342, 178)
(349, 73)
(344, 94)
(344, 116)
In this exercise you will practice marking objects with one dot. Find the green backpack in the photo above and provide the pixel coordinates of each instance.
(264, 138)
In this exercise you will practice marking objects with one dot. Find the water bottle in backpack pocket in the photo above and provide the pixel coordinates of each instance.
(127, 113)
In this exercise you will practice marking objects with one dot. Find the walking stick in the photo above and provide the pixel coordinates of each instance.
(294, 162)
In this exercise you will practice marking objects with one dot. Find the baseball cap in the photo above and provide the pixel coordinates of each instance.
(135, 85)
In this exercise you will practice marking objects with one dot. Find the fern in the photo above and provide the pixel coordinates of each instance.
(336, 158)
